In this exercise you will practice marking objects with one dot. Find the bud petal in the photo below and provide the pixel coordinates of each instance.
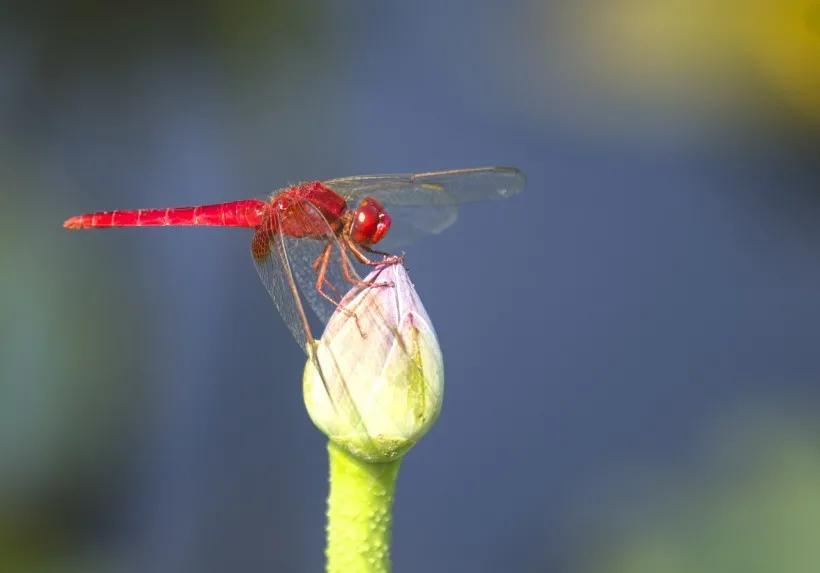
(377, 382)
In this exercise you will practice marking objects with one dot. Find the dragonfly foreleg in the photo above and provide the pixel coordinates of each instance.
(390, 257)
(350, 277)
(323, 261)
(387, 259)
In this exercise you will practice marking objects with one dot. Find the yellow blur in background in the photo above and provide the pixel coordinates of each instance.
(748, 56)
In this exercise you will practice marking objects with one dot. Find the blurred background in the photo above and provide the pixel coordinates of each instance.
(631, 345)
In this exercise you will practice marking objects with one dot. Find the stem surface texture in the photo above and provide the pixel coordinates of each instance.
(359, 513)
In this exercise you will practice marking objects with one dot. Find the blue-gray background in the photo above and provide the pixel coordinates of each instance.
(653, 291)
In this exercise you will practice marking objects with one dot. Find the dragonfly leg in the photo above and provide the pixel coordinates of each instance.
(322, 256)
(347, 272)
(321, 262)
(349, 276)
(388, 256)
(387, 259)
(321, 279)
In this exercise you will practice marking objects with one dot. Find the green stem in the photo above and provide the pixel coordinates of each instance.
(359, 513)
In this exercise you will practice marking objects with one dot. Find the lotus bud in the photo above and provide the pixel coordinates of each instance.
(375, 381)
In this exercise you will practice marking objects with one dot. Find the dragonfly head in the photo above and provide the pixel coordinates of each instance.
(370, 222)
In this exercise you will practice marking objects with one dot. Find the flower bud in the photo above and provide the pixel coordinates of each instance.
(376, 382)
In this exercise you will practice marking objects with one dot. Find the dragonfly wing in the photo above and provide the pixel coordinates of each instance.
(291, 266)
(413, 223)
(270, 255)
(321, 252)
(427, 203)
(288, 267)
(451, 187)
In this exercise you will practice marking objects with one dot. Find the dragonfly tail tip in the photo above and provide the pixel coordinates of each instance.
(75, 222)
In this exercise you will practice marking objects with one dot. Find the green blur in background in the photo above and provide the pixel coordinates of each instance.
(750, 503)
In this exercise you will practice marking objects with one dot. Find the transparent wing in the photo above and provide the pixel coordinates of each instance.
(451, 187)
(413, 223)
(270, 255)
(320, 253)
(289, 268)
(427, 203)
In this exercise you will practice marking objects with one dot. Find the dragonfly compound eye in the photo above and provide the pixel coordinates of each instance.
(370, 222)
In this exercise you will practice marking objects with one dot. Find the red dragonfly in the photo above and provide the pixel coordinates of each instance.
(305, 235)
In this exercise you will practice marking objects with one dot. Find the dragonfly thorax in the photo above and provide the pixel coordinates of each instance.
(329, 203)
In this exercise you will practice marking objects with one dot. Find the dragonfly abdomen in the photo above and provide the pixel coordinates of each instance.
(245, 213)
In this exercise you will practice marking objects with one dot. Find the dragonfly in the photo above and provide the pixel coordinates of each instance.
(311, 240)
